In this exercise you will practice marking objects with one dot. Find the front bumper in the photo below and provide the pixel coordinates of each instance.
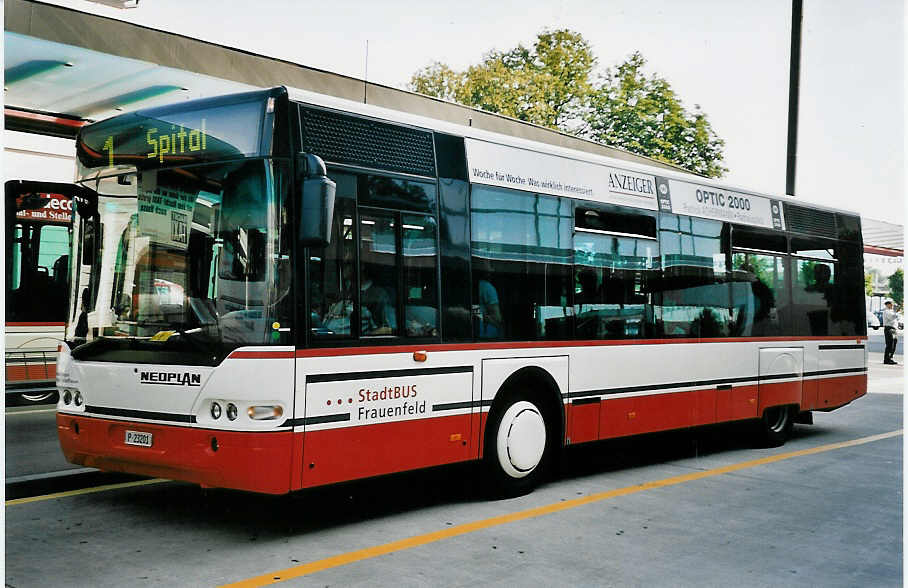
(253, 461)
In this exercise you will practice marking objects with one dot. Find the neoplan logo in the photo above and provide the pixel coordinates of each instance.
(171, 378)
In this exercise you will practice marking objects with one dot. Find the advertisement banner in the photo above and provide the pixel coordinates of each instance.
(522, 169)
(724, 205)
(48, 208)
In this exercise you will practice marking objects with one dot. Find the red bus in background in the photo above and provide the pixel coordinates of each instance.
(38, 220)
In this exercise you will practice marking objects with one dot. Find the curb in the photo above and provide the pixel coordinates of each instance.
(62, 481)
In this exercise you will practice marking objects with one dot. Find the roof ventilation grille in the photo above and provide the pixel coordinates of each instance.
(350, 140)
(810, 221)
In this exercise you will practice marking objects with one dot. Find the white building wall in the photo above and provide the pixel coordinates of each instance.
(27, 156)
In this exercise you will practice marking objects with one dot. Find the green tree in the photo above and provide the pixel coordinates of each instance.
(439, 80)
(551, 84)
(897, 286)
(642, 114)
(868, 284)
(547, 84)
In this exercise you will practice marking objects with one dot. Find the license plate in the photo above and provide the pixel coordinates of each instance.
(138, 438)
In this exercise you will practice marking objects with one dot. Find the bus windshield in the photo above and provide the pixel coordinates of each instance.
(37, 253)
(180, 259)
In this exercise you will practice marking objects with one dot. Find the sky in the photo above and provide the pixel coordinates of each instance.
(731, 58)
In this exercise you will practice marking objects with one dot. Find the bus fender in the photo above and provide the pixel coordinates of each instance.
(539, 378)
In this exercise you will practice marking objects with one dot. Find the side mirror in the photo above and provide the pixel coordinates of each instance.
(316, 209)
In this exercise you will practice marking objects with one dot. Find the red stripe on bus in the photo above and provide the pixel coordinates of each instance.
(66, 122)
(347, 453)
(277, 462)
(339, 351)
(635, 415)
(35, 324)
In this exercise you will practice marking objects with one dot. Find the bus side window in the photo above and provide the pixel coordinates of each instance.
(695, 295)
(616, 261)
(848, 310)
(38, 273)
(91, 239)
(53, 266)
(760, 295)
(822, 302)
(14, 266)
(521, 265)
(332, 270)
(378, 277)
(393, 292)
(420, 274)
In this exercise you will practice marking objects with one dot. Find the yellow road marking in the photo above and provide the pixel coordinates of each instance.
(83, 491)
(447, 533)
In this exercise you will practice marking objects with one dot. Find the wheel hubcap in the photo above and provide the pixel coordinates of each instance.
(521, 439)
(37, 397)
(777, 418)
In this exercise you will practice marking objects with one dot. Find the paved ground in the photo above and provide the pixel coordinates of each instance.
(887, 379)
(685, 509)
(31, 443)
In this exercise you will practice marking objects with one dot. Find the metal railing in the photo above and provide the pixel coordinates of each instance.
(31, 371)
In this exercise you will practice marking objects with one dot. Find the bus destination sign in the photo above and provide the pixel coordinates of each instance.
(171, 136)
(177, 141)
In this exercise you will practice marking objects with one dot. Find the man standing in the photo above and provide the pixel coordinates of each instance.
(890, 322)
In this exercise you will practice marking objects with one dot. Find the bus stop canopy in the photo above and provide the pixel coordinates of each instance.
(65, 67)
(883, 238)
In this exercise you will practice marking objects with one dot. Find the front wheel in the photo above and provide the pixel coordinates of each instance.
(775, 427)
(518, 448)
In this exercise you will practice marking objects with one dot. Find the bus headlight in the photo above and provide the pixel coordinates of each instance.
(265, 413)
(231, 411)
(77, 399)
(215, 410)
(67, 396)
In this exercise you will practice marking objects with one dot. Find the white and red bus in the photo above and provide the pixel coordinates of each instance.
(37, 217)
(278, 290)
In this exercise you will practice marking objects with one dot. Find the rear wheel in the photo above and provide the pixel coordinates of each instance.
(519, 445)
(775, 427)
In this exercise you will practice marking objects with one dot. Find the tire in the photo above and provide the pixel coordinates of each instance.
(775, 427)
(520, 443)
